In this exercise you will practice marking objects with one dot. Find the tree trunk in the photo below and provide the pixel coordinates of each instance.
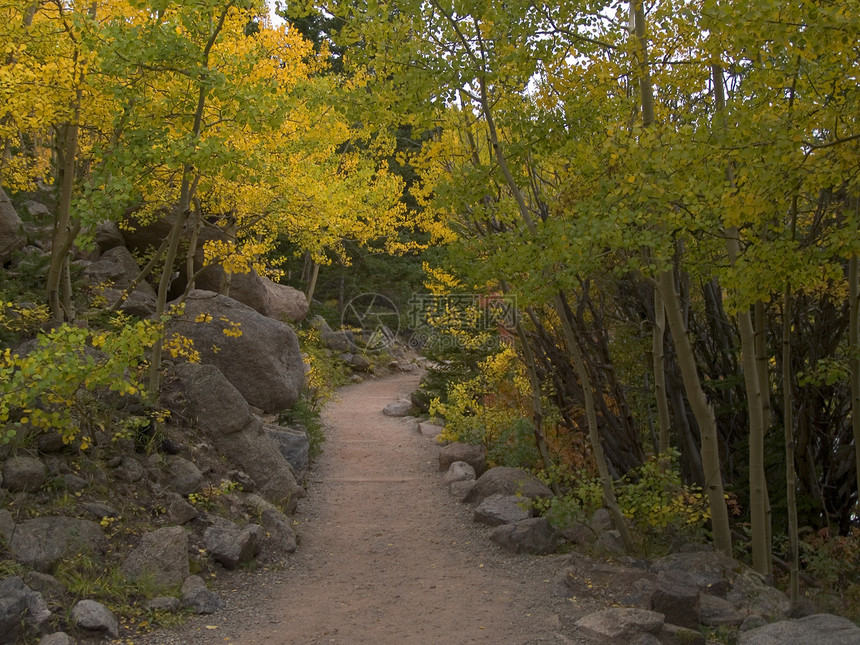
(703, 412)
(854, 343)
(759, 516)
(657, 354)
(186, 192)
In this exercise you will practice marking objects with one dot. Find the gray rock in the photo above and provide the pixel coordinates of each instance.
(197, 598)
(319, 324)
(508, 481)
(94, 617)
(99, 510)
(620, 626)
(278, 537)
(534, 535)
(57, 638)
(601, 521)
(496, 510)
(180, 511)
(161, 556)
(356, 361)
(130, 470)
(107, 236)
(19, 604)
(45, 584)
(113, 272)
(475, 456)
(611, 542)
(713, 571)
(339, 341)
(284, 303)
(231, 545)
(50, 442)
(42, 542)
(24, 473)
(681, 635)
(420, 400)
(819, 628)
(751, 591)
(677, 598)
(236, 433)
(37, 209)
(397, 409)
(164, 603)
(462, 489)
(185, 477)
(7, 524)
(11, 236)
(753, 621)
(74, 483)
(264, 363)
(430, 430)
(577, 532)
(459, 471)
(716, 612)
(294, 445)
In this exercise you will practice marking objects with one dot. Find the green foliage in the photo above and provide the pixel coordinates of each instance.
(835, 561)
(652, 497)
(17, 320)
(56, 386)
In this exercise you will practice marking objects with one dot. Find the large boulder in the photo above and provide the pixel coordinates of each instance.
(260, 356)
(677, 598)
(115, 270)
(41, 543)
(236, 433)
(162, 556)
(11, 237)
(820, 628)
(284, 302)
(508, 481)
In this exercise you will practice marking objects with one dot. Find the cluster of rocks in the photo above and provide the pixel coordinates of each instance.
(218, 489)
(669, 600)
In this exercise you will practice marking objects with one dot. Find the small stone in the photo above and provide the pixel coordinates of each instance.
(459, 471)
(95, 617)
(164, 603)
(57, 638)
(179, 511)
(534, 535)
(99, 510)
(430, 430)
(185, 477)
(197, 598)
(23, 473)
(74, 483)
(397, 409)
(501, 509)
(462, 489)
(753, 621)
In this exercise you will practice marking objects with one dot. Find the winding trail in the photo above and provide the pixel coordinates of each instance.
(386, 556)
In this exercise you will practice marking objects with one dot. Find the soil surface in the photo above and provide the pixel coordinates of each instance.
(385, 555)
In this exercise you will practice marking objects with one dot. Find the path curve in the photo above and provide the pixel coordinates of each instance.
(386, 556)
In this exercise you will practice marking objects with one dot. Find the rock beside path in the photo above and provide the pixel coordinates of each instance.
(819, 628)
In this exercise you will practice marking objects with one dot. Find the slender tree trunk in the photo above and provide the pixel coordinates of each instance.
(312, 283)
(657, 354)
(704, 413)
(591, 416)
(854, 342)
(759, 516)
(186, 192)
(788, 431)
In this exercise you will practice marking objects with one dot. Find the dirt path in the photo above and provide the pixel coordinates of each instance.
(385, 555)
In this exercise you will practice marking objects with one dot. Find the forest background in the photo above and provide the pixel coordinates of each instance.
(667, 191)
